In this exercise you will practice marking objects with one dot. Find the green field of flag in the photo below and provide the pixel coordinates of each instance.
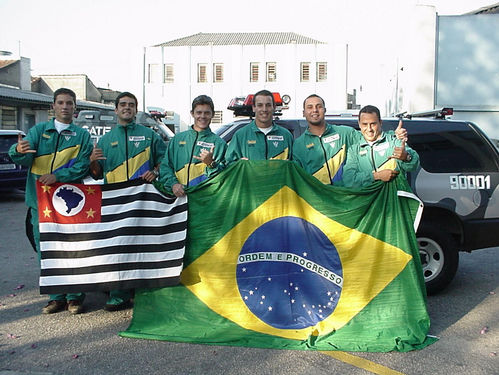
(276, 259)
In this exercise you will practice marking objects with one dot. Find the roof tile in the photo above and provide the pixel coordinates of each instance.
(225, 39)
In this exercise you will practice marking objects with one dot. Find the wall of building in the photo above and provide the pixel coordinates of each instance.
(25, 73)
(236, 59)
(467, 74)
(79, 83)
(92, 93)
(29, 117)
(17, 74)
(10, 74)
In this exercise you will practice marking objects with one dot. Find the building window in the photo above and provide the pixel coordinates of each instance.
(217, 117)
(168, 73)
(154, 73)
(271, 72)
(305, 72)
(321, 71)
(202, 76)
(254, 72)
(8, 116)
(218, 72)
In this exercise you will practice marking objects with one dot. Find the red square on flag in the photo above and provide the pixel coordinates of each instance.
(67, 203)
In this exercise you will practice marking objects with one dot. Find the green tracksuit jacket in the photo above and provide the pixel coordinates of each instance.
(64, 154)
(250, 142)
(364, 159)
(130, 151)
(324, 156)
(179, 164)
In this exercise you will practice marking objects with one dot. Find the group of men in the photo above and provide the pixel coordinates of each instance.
(59, 151)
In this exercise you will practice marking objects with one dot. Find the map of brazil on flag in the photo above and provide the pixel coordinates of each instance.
(106, 237)
(277, 259)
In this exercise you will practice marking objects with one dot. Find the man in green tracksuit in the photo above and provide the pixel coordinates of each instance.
(128, 152)
(379, 156)
(261, 139)
(54, 151)
(195, 154)
(322, 149)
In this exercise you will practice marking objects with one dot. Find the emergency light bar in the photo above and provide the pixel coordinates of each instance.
(243, 105)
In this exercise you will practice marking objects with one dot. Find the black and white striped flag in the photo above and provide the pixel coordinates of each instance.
(109, 237)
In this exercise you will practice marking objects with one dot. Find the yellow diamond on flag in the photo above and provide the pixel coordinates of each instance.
(222, 275)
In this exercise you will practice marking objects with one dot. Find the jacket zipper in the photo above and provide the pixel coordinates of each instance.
(326, 161)
(190, 160)
(266, 146)
(55, 152)
(372, 159)
(126, 153)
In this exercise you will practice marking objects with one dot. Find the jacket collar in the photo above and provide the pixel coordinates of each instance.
(257, 129)
(51, 125)
(381, 139)
(204, 132)
(130, 125)
(329, 130)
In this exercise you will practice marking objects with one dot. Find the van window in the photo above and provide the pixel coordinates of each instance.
(444, 146)
(457, 151)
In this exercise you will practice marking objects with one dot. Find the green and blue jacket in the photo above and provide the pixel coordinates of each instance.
(324, 156)
(365, 158)
(179, 165)
(130, 151)
(250, 142)
(65, 154)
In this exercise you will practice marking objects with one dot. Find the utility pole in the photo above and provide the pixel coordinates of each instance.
(144, 82)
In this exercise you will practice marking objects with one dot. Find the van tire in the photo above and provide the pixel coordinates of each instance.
(439, 257)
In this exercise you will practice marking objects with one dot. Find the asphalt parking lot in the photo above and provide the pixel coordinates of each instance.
(465, 317)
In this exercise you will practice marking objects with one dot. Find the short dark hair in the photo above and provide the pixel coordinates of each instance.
(128, 95)
(203, 99)
(264, 93)
(66, 91)
(370, 109)
(314, 96)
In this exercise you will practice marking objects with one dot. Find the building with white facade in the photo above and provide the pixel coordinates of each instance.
(226, 65)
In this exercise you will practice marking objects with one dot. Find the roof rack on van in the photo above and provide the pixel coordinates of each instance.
(346, 113)
(436, 113)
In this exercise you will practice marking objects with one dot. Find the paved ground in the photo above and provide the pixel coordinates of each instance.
(62, 344)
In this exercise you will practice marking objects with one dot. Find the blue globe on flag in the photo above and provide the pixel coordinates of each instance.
(293, 288)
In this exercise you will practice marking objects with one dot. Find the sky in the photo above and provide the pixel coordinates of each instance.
(105, 38)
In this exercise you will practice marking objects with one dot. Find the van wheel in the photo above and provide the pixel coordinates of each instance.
(439, 257)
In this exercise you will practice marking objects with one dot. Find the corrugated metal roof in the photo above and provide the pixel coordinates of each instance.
(226, 39)
(23, 95)
(12, 94)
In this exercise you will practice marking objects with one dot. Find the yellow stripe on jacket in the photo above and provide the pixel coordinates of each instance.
(41, 164)
(194, 171)
(282, 156)
(333, 164)
(389, 164)
(137, 165)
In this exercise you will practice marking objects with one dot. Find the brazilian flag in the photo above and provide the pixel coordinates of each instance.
(276, 259)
